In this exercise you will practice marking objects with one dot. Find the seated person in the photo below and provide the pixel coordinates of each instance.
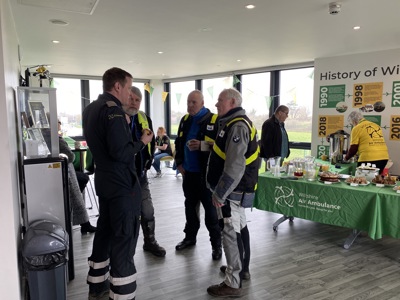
(163, 146)
(79, 213)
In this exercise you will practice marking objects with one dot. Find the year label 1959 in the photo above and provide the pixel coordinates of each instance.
(395, 128)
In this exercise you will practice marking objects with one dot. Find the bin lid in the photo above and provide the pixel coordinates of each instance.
(43, 237)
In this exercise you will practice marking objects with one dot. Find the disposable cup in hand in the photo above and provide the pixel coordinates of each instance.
(205, 146)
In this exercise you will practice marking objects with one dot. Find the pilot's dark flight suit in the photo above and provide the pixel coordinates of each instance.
(109, 138)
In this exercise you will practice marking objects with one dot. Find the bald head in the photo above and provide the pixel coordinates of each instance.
(195, 102)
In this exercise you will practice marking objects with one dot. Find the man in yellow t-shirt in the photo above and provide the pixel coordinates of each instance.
(367, 140)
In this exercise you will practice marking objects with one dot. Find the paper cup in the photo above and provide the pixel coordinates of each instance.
(205, 146)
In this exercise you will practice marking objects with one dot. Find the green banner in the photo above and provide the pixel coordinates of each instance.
(358, 207)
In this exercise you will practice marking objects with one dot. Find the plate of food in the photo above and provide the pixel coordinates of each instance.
(357, 181)
(388, 180)
(329, 177)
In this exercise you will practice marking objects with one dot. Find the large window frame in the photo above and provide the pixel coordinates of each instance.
(274, 93)
(86, 97)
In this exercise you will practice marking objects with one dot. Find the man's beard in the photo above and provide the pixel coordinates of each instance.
(130, 111)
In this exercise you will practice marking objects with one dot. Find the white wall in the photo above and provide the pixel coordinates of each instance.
(9, 211)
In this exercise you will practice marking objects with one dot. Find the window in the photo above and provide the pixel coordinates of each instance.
(212, 88)
(178, 98)
(69, 105)
(296, 92)
(256, 98)
(96, 88)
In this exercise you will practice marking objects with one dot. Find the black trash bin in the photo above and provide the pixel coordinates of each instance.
(45, 255)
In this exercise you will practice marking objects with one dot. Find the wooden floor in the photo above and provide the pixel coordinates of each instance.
(303, 260)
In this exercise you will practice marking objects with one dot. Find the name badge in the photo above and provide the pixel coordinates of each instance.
(210, 127)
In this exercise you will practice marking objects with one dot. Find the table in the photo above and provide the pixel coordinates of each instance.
(375, 210)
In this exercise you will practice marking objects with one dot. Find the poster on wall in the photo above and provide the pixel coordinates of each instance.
(368, 83)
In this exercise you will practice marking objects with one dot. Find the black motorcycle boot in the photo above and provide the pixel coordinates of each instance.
(150, 243)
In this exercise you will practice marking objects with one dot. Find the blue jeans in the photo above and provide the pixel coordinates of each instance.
(156, 162)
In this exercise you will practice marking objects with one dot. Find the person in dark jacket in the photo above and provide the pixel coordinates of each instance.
(274, 138)
(163, 146)
(112, 272)
(141, 124)
(196, 132)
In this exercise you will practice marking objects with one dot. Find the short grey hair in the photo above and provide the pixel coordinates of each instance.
(233, 93)
(136, 91)
(282, 108)
(354, 117)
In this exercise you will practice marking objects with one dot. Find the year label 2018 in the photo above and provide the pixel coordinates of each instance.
(322, 126)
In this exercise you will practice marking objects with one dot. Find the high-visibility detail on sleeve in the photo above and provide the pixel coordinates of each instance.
(98, 265)
(116, 296)
(118, 281)
(98, 279)
(208, 139)
(213, 119)
(253, 157)
(219, 152)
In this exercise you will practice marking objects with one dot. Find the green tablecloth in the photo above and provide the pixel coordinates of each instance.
(367, 208)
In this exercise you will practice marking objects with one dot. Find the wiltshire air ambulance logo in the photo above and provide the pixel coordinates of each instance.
(284, 196)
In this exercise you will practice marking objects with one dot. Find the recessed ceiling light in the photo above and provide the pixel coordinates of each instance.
(160, 52)
(205, 29)
(55, 42)
(250, 6)
(239, 60)
(356, 27)
(58, 22)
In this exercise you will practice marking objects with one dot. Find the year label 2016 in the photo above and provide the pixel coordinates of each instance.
(395, 128)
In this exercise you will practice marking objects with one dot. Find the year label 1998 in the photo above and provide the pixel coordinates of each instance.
(358, 93)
